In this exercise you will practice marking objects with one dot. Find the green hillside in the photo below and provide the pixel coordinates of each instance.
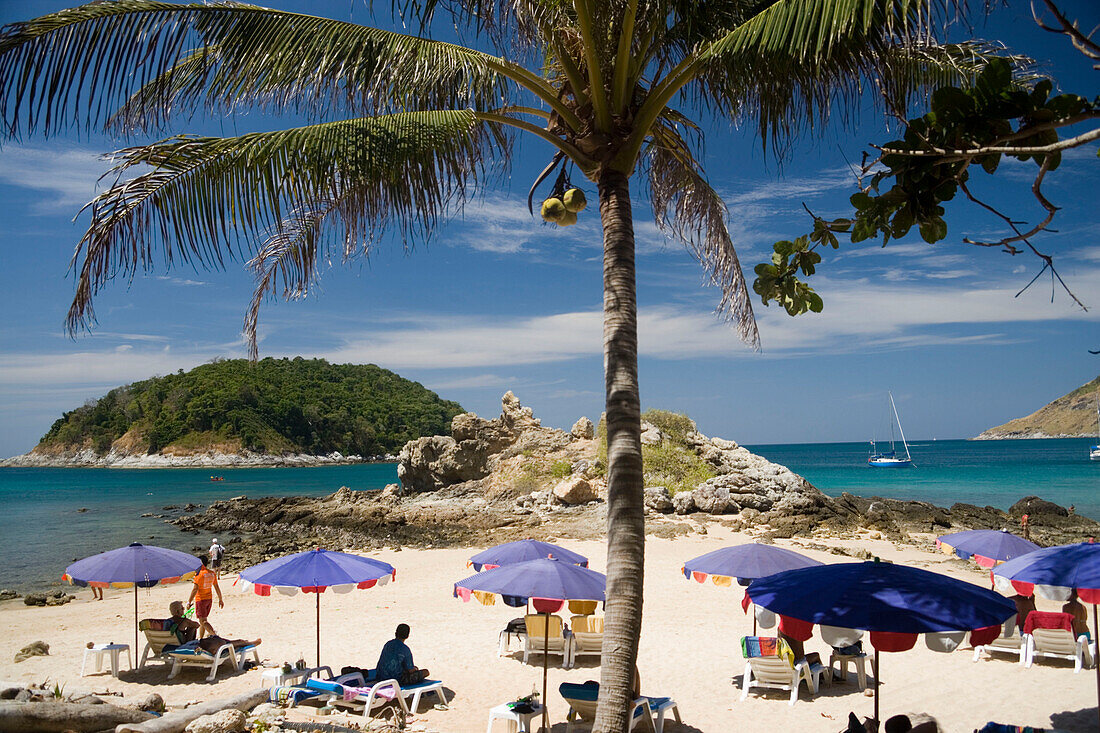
(273, 406)
(1072, 415)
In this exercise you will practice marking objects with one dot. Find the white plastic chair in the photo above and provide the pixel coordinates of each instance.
(1058, 644)
(586, 633)
(777, 673)
(1009, 642)
(536, 641)
(835, 636)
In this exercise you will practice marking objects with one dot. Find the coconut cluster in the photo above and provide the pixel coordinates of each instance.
(563, 211)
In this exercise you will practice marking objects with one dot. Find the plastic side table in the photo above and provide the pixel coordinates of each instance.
(519, 722)
(99, 651)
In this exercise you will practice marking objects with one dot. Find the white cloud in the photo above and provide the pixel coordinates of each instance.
(67, 176)
(181, 281)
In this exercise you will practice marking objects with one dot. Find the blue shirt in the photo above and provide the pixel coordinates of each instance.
(395, 659)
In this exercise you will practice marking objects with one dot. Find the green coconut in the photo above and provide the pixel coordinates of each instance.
(568, 220)
(574, 200)
(553, 209)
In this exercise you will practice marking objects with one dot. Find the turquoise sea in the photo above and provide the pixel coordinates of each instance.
(42, 529)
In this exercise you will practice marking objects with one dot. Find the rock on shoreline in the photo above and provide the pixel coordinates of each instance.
(507, 478)
(88, 458)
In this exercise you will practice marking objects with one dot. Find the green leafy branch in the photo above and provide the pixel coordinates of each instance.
(998, 115)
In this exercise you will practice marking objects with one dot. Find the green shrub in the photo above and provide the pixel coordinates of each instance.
(561, 469)
(674, 467)
(675, 425)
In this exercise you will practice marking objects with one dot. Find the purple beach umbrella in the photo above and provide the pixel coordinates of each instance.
(136, 566)
(987, 547)
(315, 571)
(521, 551)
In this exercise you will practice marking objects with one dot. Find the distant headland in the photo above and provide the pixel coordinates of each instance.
(228, 413)
(1070, 416)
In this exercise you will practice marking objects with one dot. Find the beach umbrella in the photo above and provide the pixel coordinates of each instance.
(987, 547)
(315, 571)
(893, 602)
(1055, 573)
(134, 566)
(521, 551)
(548, 582)
(743, 563)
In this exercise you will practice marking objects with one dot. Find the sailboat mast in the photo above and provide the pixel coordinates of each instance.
(900, 428)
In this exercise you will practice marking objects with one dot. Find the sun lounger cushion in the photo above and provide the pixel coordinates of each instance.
(1048, 620)
(325, 686)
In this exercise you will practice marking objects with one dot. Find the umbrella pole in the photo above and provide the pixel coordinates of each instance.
(545, 669)
(318, 629)
(876, 687)
(136, 622)
(1095, 661)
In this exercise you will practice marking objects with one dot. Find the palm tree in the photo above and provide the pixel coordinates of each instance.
(402, 128)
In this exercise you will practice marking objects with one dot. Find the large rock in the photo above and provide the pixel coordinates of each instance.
(683, 502)
(712, 498)
(427, 464)
(583, 429)
(651, 434)
(575, 490)
(1034, 506)
(225, 721)
(658, 499)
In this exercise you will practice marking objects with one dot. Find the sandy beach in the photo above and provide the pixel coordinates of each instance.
(689, 648)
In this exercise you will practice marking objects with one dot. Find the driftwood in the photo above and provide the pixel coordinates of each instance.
(57, 717)
(175, 722)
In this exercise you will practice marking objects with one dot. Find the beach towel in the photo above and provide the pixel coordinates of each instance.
(350, 693)
(1048, 620)
(986, 635)
(288, 695)
(766, 646)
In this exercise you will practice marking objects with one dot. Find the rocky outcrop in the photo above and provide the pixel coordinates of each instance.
(88, 458)
(575, 490)
(475, 446)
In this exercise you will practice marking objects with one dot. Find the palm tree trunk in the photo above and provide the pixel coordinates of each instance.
(625, 509)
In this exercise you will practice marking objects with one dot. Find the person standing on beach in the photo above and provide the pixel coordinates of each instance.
(217, 552)
(206, 583)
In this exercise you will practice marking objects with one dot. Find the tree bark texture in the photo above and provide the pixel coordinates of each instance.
(55, 717)
(625, 507)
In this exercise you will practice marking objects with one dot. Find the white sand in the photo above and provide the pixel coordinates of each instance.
(689, 649)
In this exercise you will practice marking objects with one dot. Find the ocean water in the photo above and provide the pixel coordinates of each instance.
(42, 531)
(982, 472)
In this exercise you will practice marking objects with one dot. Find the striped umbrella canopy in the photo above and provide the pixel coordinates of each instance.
(134, 566)
(1056, 573)
(893, 602)
(315, 571)
(521, 551)
(987, 547)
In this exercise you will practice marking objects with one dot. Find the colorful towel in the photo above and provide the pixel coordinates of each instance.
(386, 693)
(1048, 620)
(289, 695)
(764, 646)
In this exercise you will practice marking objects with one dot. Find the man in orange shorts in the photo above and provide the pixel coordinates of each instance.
(202, 597)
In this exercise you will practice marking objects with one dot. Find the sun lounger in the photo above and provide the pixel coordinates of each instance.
(537, 640)
(371, 696)
(1051, 635)
(156, 638)
(412, 693)
(189, 656)
(586, 633)
(1009, 642)
(778, 670)
(582, 707)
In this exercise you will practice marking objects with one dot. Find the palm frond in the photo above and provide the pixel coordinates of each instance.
(83, 63)
(687, 208)
(204, 199)
(789, 64)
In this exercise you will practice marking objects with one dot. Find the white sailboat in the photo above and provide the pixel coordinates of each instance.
(891, 459)
(1094, 451)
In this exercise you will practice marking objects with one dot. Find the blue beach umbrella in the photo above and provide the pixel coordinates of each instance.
(522, 551)
(893, 602)
(549, 582)
(315, 571)
(743, 563)
(134, 566)
(1054, 573)
(986, 546)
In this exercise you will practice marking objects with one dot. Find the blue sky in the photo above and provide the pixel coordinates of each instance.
(497, 301)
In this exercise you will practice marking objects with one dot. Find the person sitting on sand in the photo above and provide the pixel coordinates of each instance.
(184, 628)
(396, 660)
(1080, 616)
(1024, 606)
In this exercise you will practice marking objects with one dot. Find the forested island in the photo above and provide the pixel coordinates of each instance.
(274, 407)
